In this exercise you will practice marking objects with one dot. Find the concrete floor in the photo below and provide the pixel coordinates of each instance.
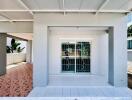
(79, 86)
(91, 91)
(78, 91)
(17, 82)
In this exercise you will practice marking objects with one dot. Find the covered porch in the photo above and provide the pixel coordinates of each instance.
(107, 77)
(108, 57)
(50, 81)
(101, 24)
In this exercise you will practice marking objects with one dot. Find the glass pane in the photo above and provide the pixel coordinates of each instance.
(130, 44)
(82, 49)
(78, 49)
(68, 49)
(83, 57)
(82, 65)
(68, 64)
(68, 57)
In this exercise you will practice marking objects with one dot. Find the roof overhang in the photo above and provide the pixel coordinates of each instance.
(23, 10)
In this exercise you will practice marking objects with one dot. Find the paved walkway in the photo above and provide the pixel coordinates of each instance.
(17, 81)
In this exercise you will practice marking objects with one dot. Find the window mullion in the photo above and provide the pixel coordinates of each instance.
(75, 56)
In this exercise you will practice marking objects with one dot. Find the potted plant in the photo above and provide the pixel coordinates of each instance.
(15, 47)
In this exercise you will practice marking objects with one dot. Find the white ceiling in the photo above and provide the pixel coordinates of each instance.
(26, 36)
(22, 10)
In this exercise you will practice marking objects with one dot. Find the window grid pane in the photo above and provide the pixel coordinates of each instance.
(75, 57)
(129, 44)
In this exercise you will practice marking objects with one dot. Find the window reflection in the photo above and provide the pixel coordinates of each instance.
(76, 57)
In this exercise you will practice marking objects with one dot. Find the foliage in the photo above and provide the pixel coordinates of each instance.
(20, 49)
(8, 50)
(15, 46)
(129, 30)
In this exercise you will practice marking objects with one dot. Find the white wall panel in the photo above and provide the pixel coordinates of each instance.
(99, 49)
(16, 27)
(117, 21)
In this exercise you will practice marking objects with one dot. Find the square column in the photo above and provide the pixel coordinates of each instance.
(2, 53)
(118, 54)
(40, 55)
(29, 51)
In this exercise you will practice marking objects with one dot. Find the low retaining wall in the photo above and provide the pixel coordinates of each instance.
(15, 58)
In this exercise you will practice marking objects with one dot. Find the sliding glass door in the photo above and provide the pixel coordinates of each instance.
(82, 57)
(68, 57)
(75, 56)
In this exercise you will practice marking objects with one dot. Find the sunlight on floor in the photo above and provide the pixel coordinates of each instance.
(14, 65)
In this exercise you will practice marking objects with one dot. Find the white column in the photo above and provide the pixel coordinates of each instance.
(2, 53)
(29, 52)
(118, 54)
(40, 55)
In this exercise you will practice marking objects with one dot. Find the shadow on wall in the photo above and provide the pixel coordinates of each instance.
(130, 81)
(129, 55)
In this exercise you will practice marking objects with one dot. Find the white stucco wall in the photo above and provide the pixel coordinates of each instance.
(16, 27)
(29, 51)
(117, 42)
(129, 58)
(99, 49)
(103, 55)
(13, 58)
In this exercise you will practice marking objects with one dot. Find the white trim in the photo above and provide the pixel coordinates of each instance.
(8, 19)
(59, 11)
(25, 6)
(66, 10)
(129, 50)
(75, 57)
(77, 39)
(102, 6)
(58, 28)
(129, 38)
(17, 20)
(63, 6)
